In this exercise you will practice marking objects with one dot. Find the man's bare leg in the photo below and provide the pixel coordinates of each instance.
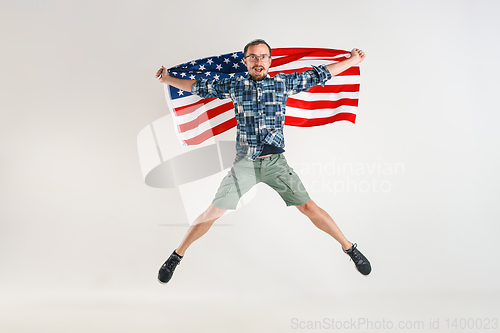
(200, 227)
(323, 221)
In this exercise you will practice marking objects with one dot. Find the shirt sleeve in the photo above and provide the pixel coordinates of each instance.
(297, 82)
(212, 88)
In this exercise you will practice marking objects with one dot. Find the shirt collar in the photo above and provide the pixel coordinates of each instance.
(247, 76)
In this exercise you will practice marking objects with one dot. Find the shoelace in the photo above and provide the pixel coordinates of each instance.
(355, 254)
(171, 264)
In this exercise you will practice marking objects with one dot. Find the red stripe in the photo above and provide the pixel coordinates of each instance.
(187, 109)
(209, 114)
(289, 55)
(336, 88)
(221, 128)
(349, 71)
(317, 105)
(309, 58)
(303, 122)
(306, 51)
(292, 58)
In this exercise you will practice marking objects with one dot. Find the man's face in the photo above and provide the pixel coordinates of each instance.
(257, 68)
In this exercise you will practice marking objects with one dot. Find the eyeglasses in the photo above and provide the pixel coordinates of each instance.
(253, 57)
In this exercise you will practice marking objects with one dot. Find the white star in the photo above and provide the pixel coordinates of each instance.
(219, 67)
(234, 55)
(193, 62)
(226, 60)
(210, 61)
(207, 73)
(216, 76)
(174, 73)
(202, 67)
(192, 77)
(181, 93)
(231, 75)
(235, 65)
(183, 74)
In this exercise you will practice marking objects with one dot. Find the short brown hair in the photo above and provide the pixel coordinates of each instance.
(256, 42)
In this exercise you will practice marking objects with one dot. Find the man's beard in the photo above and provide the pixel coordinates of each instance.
(262, 74)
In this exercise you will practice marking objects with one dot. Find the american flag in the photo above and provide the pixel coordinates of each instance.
(198, 119)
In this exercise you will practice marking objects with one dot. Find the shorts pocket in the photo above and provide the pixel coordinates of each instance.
(286, 179)
(230, 181)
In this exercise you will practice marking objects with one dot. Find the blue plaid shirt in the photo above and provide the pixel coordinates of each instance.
(260, 105)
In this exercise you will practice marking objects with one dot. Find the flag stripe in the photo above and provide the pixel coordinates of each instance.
(284, 51)
(301, 122)
(334, 89)
(317, 105)
(187, 109)
(221, 128)
(306, 61)
(320, 96)
(204, 108)
(202, 127)
(179, 102)
(320, 113)
(205, 116)
(347, 72)
(301, 63)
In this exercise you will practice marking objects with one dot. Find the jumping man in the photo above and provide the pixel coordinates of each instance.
(260, 104)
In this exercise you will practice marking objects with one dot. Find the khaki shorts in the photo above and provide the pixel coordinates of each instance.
(272, 170)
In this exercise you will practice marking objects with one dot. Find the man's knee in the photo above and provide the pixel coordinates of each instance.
(308, 208)
(213, 212)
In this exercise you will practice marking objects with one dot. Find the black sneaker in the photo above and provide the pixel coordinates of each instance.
(362, 264)
(168, 268)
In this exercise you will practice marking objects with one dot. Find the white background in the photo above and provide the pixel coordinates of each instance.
(82, 237)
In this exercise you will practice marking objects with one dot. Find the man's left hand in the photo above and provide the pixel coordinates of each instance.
(357, 56)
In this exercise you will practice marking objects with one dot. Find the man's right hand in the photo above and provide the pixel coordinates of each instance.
(162, 74)
(183, 84)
